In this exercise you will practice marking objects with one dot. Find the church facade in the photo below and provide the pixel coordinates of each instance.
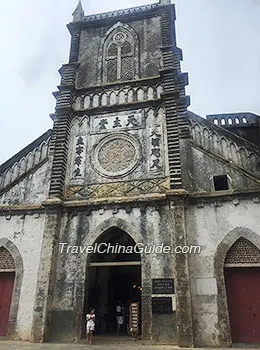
(126, 163)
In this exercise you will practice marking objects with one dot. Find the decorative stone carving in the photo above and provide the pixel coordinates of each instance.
(116, 155)
(119, 189)
(118, 96)
(156, 160)
(78, 146)
(79, 157)
(117, 121)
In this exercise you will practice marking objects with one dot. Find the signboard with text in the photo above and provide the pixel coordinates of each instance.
(163, 286)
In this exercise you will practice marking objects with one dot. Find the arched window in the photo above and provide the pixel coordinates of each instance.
(120, 51)
(215, 121)
(119, 59)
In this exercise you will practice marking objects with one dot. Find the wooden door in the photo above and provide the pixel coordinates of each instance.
(243, 293)
(6, 291)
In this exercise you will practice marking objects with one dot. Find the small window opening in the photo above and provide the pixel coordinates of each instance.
(220, 182)
(223, 122)
(237, 120)
(244, 120)
(215, 121)
(229, 121)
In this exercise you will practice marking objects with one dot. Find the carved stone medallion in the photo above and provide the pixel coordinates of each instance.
(116, 155)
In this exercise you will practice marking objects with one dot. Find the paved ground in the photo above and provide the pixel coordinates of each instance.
(98, 345)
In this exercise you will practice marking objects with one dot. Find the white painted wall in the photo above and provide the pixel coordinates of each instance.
(26, 234)
(207, 226)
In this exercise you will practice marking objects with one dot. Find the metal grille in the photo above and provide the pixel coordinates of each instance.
(126, 48)
(127, 68)
(6, 260)
(112, 70)
(112, 50)
(243, 252)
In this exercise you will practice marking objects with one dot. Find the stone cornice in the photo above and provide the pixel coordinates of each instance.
(131, 83)
(135, 201)
(135, 13)
(115, 108)
(220, 197)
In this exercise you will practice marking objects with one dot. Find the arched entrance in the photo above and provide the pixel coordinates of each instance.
(113, 279)
(242, 279)
(7, 277)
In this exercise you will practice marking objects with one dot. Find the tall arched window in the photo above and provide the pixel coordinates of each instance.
(120, 54)
(119, 59)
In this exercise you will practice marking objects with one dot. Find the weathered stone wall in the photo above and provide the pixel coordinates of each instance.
(208, 223)
(21, 235)
(149, 35)
(205, 166)
(147, 225)
(216, 151)
(140, 146)
(33, 189)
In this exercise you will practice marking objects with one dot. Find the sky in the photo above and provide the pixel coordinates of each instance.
(219, 40)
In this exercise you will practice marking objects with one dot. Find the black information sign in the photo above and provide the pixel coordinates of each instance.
(161, 305)
(163, 286)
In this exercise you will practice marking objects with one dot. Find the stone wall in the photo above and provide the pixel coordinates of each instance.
(147, 225)
(33, 189)
(90, 51)
(208, 224)
(205, 166)
(21, 235)
(132, 142)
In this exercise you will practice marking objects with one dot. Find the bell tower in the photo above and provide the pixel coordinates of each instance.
(120, 119)
(120, 107)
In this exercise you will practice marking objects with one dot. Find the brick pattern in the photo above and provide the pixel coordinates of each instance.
(243, 251)
(174, 96)
(6, 260)
(67, 73)
(62, 130)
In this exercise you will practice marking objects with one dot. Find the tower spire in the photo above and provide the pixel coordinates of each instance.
(164, 2)
(78, 14)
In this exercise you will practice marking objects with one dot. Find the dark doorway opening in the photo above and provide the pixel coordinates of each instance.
(113, 278)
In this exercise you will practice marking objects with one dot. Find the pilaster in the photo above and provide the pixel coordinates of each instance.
(184, 315)
(61, 129)
(46, 274)
(174, 97)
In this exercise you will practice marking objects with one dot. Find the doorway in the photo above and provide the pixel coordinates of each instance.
(6, 291)
(113, 279)
(243, 294)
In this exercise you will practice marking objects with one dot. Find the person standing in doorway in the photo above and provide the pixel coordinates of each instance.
(90, 325)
